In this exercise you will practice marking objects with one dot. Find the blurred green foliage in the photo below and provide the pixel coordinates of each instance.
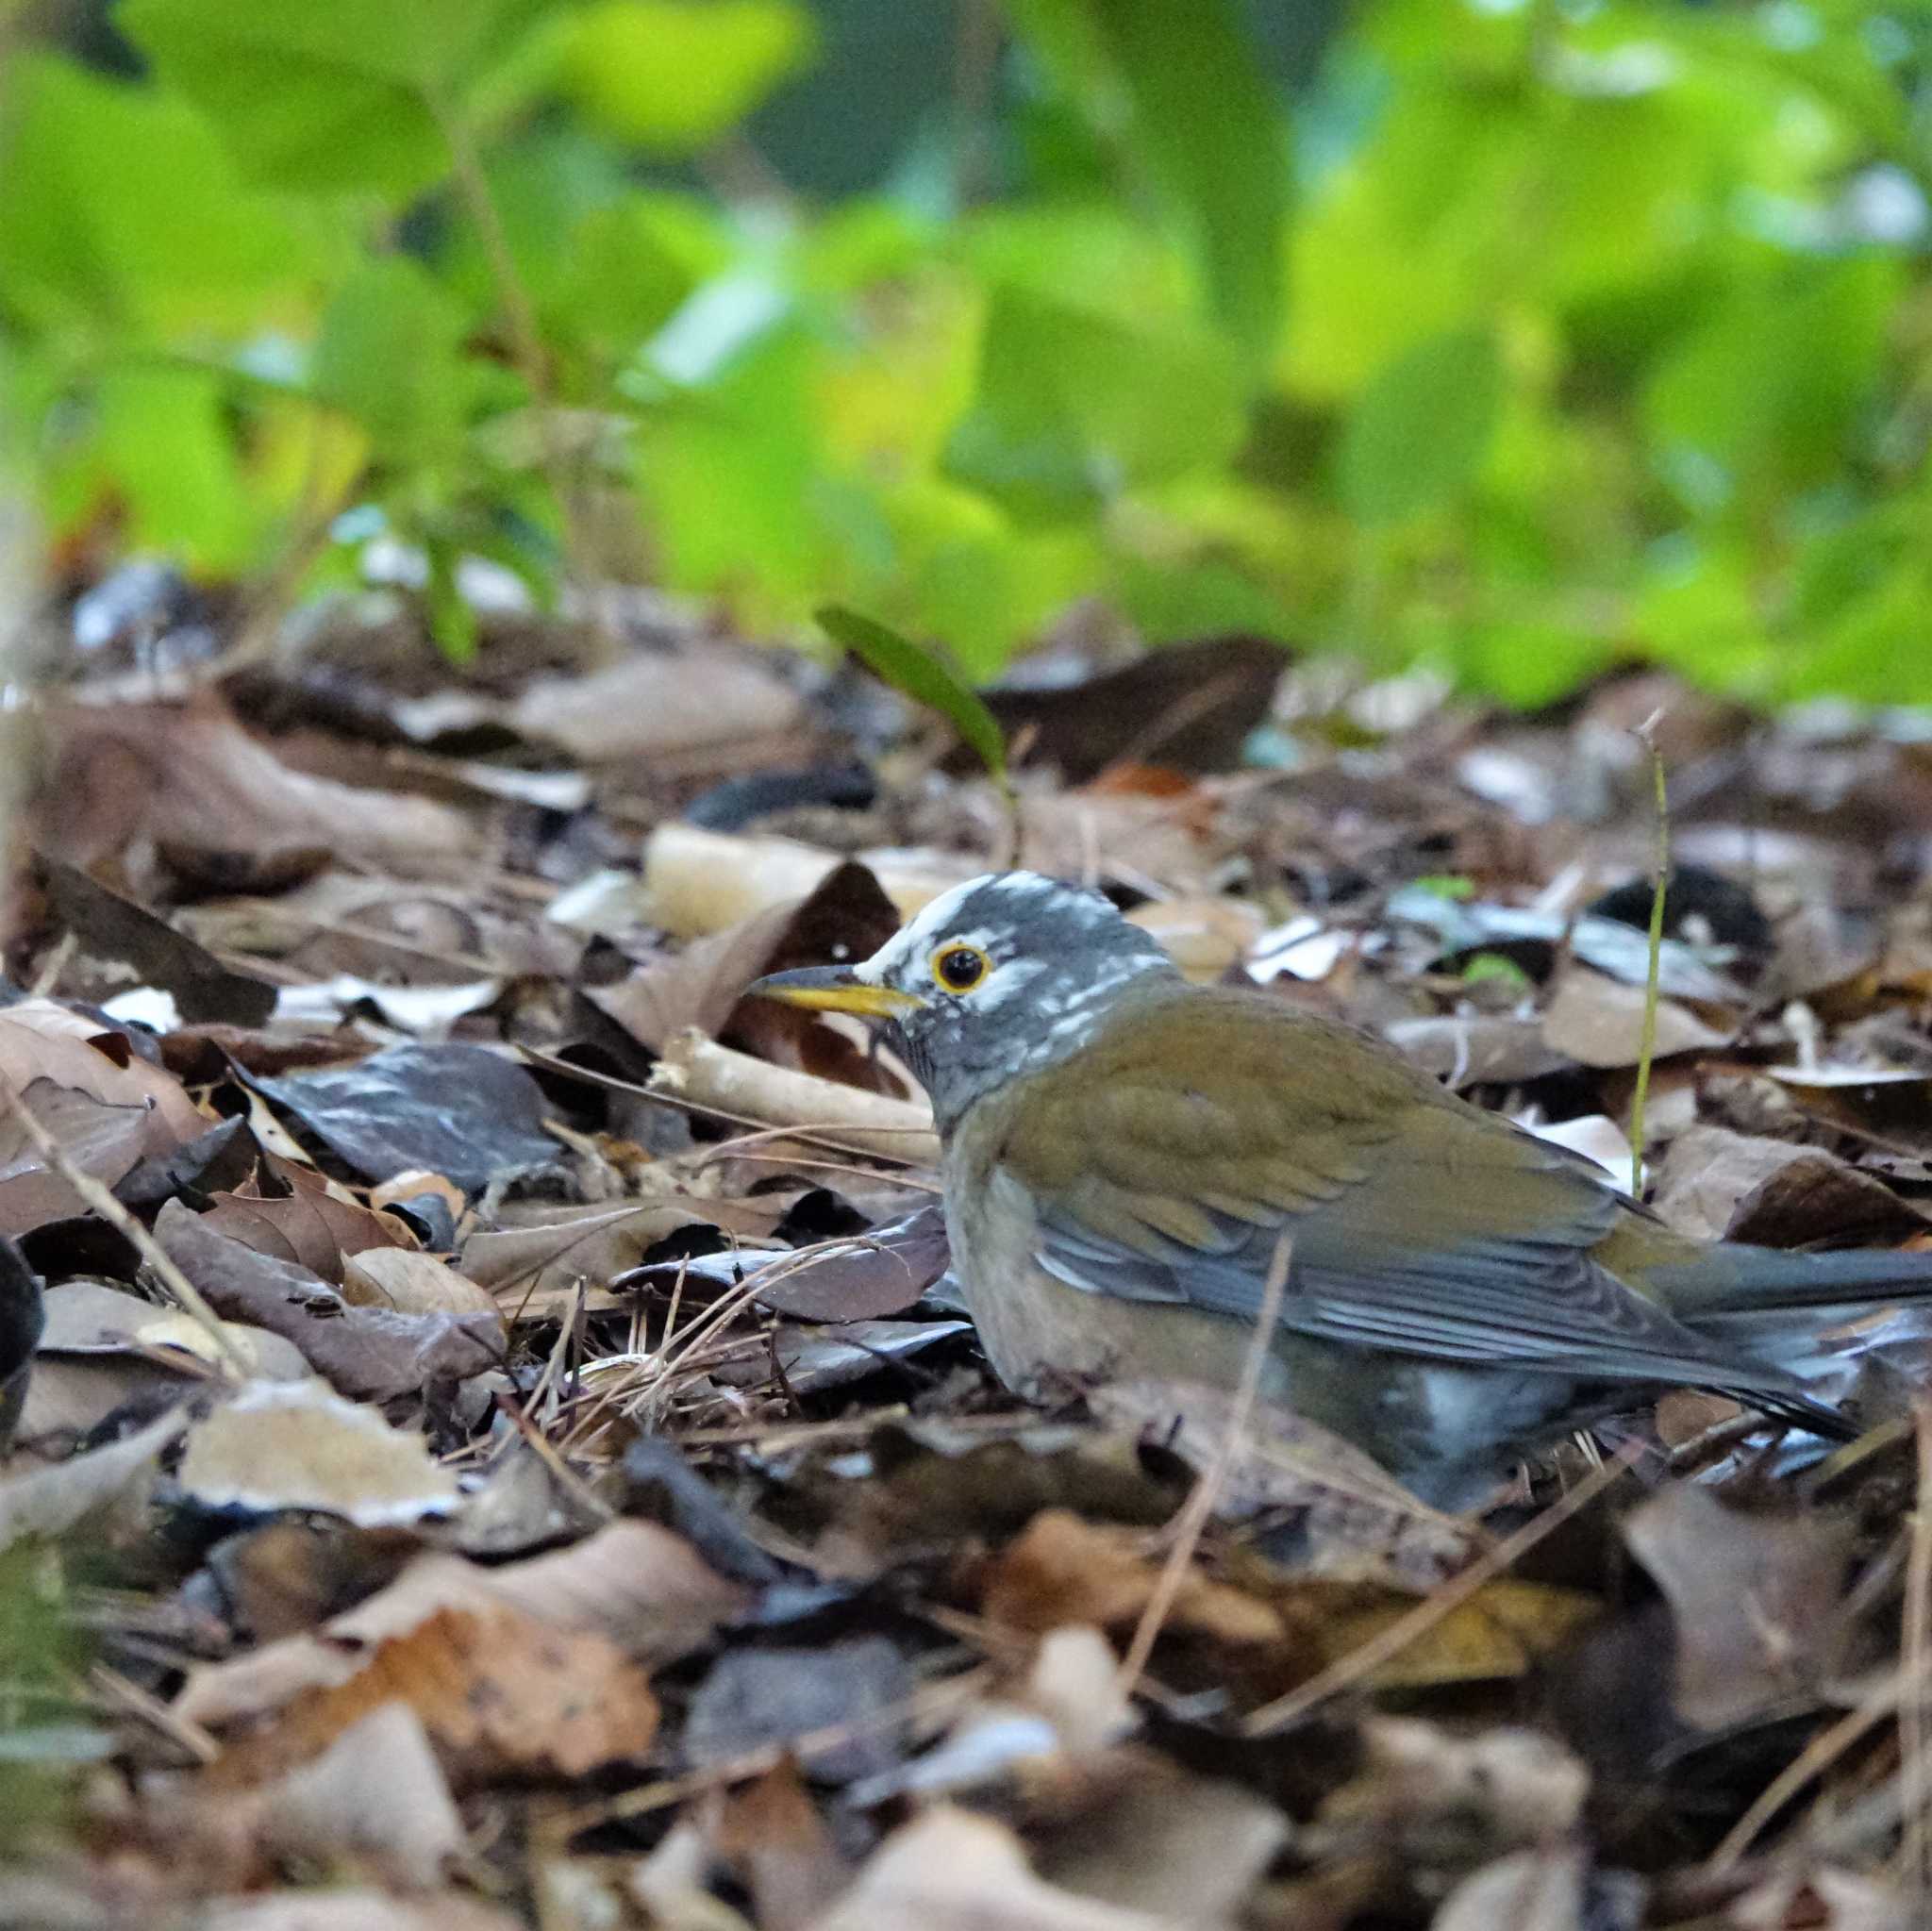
(1525, 335)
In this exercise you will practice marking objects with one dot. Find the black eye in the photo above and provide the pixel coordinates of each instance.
(958, 968)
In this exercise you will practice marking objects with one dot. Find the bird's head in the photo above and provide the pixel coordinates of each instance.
(997, 978)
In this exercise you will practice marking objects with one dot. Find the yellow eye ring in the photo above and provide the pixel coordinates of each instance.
(960, 967)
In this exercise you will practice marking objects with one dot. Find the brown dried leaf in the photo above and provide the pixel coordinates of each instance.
(951, 1871)
(376, 1794)
(187, 776)
(1753, 1597)
(556, 1248)
(288, 1445)
(411, 1283)
(643, 1587)
(1715, 1185)
(1599, 1022)
(367, 1353)
(499, 1691)
(313, 1226)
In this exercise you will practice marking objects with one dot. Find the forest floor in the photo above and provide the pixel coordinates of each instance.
(504, 1450)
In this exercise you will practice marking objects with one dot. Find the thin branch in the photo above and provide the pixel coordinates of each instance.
(1646, 1049)
(1350, 1670)
(151, 1251)
(1206, 1491)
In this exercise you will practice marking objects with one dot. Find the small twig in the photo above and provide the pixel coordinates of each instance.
(1199, 1505)
(1816, 1758)
(1646, 1048)
(102, 1203)
(1349, 1670)
(1912, 1739)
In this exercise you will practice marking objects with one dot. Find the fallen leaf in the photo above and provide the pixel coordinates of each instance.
(117, 1478)
(654, 702)
(1716, 1185)
(280, 1445)
(555, 1250)
(188, 777)
(499, 1692)
(112, 926)
(1754, 1596)
(411, 1283)
(106, 1108)
(462, 1111)
(1599, 1022)
(863, 1278)
(754, 1697)
(367, 1353)
(310, 1224)
(772, 1833)
(1529, 1890)
(951, 1871)
(376, 1794)
(638, 1585)
(354, 1910)
(23, 1317)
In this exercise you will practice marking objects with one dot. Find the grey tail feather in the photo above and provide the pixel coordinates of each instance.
(1731, 1286)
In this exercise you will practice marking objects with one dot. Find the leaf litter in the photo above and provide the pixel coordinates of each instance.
(573, 1496)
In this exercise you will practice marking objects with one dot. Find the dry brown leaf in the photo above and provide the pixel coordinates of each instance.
(354, 1910)
(106, 1108)
(376, 1794)
(313, 1226)
(115, 1480)
(554, 1249)
(643, 1587)
(1754, 1598)
(652, 702)
(1502, 1631)
(499, 1691)
(282, 1445)
(367, 1353)
(188, 777)
(1715, 1185)
(1065, 1569)
(1599, 1022)
(411, 1283)
(1529, 1890)
(952, 1872)
(771, 1832)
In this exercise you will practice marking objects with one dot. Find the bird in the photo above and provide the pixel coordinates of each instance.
(1124, 1152)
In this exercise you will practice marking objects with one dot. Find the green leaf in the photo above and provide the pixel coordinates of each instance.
(1073, 408)
(671, 75)
(124, 218)
(922, 676)
(1215, 133)
(1420, 431)
(390, 355)
(323, 94)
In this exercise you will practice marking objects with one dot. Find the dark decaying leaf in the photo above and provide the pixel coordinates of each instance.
(456, 1109)
(756, 1697)
(221, 1158)
(661, 1485)
(864, 1277)
(112, 926)
(369, 1354)
(21, 1318)
(1190, 707)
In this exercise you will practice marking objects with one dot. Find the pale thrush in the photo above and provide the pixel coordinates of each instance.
(1123, 1152)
